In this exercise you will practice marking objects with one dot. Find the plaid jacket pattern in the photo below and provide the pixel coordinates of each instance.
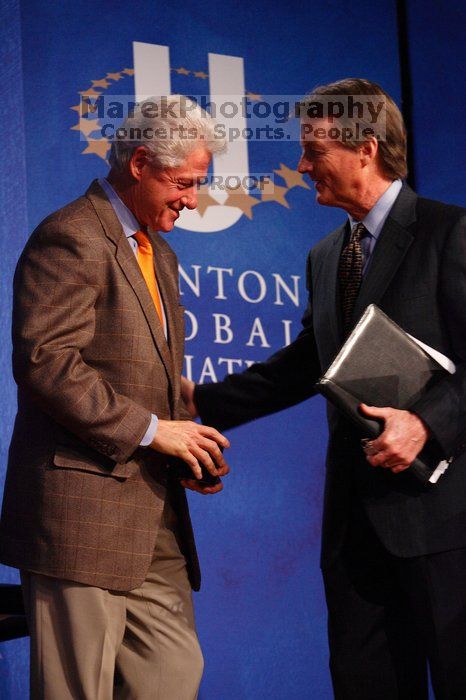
(82, 501)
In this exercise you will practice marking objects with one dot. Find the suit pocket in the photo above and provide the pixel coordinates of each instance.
(69, 458)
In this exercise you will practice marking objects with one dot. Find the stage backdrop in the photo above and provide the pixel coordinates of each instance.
(260, 613)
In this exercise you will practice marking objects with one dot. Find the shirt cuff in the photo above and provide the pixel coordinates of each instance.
(150, 432)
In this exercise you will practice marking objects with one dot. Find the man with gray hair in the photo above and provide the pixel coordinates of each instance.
(92, 515)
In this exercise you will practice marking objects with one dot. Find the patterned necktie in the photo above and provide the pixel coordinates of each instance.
(146, 263)
(350, 274)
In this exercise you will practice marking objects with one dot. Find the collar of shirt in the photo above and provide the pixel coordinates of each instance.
(126, 218)
(377, 216)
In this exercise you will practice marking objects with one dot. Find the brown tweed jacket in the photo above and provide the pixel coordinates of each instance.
(82, 501)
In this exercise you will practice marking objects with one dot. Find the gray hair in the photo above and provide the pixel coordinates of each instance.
(170, 128)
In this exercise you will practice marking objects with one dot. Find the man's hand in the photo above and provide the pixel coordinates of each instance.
(403, 437)
(187, 392)
(196, 486)
(194, 444)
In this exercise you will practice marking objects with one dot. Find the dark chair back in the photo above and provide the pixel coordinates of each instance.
(12, 616)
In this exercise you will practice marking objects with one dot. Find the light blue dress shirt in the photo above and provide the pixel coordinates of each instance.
(375, 220)
(130, 226)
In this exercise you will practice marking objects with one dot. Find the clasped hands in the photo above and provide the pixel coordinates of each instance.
(196, 445)
(403, 437)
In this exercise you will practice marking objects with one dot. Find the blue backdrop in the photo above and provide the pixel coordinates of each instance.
(260, 613)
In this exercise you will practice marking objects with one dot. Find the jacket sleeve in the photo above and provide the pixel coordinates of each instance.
(56, 289)
(286, 378)
(443, 407)
(184, 414)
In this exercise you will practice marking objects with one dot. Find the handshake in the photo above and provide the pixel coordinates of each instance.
(198, 446)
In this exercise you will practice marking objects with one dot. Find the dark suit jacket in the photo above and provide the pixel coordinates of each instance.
(82, 501)
(417, 275)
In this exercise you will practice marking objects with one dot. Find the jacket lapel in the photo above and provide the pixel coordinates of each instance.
(168, 288)
(129, 265)
(393, 244)
(330, 291)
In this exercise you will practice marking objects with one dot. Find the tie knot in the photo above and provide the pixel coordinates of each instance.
(358, 231)
(143, 241)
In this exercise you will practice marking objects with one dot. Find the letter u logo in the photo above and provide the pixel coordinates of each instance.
(226, 76)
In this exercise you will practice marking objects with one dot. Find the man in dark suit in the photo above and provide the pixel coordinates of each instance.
(91, 512)
(394, 550)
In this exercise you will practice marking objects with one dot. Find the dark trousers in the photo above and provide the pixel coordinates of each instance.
(389, 616)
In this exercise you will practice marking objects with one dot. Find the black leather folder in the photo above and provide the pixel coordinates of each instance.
(381, 365)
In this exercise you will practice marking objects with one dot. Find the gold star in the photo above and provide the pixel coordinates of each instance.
(114, 76)
(204, 200)
(292, 177)
(182, 71)
(86, 126)
(200, 74)
(89, 91)
(128, 71)
(238, 198)
(254, 96)
(98, 147)
(278, 195)
(100, 83)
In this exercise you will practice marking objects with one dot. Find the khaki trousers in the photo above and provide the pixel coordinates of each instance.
(88, 643)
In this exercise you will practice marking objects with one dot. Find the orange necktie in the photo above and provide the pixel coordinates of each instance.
(146, 263)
